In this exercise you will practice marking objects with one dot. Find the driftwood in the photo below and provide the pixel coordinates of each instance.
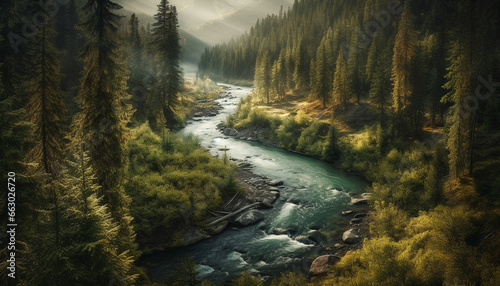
(233, 213)
(227, 204)
(214, 214)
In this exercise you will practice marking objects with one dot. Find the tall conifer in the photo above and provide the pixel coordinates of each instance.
(102, 121)
(404, 52)
(46, 108)
(166, 41)
(340, 82)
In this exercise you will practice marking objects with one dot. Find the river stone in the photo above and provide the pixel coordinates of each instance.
(192, 235)
(279, 231)
(249, 217)
(273, 189)
(218, 228)
(351, 236)
(257, 181)
(359, 201)
(230, 132)
(266, 204)
(317, 237)
(356, 220)
(360, 215)
(275, 183)
(322, 265)
(304, 239)
(347, 212)
(245, 165)
(270, 199)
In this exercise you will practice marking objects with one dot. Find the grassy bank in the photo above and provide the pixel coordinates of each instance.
(173, 183)
(425, 229)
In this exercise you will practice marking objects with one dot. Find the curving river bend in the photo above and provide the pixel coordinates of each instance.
(315, 194)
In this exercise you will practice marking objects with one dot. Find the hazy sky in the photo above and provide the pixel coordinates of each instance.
(213, 21)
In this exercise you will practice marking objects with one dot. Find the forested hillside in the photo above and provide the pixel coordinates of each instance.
(404, 93)
(90, 101)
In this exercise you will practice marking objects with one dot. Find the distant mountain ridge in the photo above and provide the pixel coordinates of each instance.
(214, 21)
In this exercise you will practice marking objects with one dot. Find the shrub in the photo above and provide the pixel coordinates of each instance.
(288, 133)
(247, 280)
(389, 221)
(312, 139)
(173, 183)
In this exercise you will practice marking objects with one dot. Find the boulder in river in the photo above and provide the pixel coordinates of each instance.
(230, 132)
(266, 204)
(317, 237)
(360, 215)
(192, 235)
(249, 217)
(304, 239)
(347, 212)
(359, 201)
(356, 220)
(322, 264)
(351, 236)
(279, 231)
(275, 183)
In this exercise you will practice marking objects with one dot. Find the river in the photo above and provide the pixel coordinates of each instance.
(314, 196)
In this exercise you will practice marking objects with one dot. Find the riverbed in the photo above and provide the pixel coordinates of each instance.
(312, 198)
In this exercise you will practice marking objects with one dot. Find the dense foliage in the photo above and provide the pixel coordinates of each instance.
(71, 78)
(173, 182)
(427, 68)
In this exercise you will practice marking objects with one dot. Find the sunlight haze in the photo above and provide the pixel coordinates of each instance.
(213, 21)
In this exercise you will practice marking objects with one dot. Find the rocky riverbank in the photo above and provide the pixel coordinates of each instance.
(260, 192)
(349, 238)
(208, 107)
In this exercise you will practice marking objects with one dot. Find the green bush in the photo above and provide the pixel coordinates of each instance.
(313, 139)
(173, 183)
(388, 220)
(288, 133)
(247, 280)
(290, 279)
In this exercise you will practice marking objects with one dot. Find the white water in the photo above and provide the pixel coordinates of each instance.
(314, 196)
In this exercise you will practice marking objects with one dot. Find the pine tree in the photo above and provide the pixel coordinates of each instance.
(354, 72)
(340, 82)
(404, 52)
(278, 88)
(380, 84)
(281, 77)
(68, 41)
(135, 65)
(166, 41)
(46, 108)
(263, 76)
(77, 233)
(463, 72)
(301, 65)
(322, 73)
(14, 52)
(330, 150)
(14, 132)
(102, 121)
(437, 70)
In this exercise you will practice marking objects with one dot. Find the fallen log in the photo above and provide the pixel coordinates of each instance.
(233, 213)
